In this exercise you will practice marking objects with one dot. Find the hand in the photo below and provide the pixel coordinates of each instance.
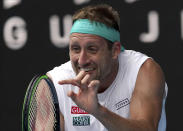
(86, 98)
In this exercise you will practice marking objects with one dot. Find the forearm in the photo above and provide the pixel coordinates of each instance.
(114, 122)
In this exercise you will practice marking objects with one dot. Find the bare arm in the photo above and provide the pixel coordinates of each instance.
(148, 94)
(145, 106)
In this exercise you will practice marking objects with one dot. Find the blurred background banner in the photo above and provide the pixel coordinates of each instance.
(34, 37)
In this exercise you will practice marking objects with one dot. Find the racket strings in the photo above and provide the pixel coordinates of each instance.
(33, 108)
(32, 113)
(42, 109)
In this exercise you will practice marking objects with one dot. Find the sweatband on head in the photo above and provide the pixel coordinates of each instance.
(96, 28)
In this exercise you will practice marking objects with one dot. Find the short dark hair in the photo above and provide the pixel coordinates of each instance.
(101, 13)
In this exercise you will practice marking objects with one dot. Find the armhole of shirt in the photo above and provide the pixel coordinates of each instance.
(138, 67)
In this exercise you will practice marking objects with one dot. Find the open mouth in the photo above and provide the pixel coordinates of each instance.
(87, 69)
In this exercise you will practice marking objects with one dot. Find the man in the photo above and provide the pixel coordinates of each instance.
(104, 87)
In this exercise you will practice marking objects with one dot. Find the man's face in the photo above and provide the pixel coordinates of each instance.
(91, 54)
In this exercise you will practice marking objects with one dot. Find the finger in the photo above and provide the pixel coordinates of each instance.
(87, 78)
(94, 85)
(74, 96)
(85, 81)
(80, 76)
(69, 81)
(76, 81)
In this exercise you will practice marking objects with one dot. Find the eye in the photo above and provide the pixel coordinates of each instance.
(75, 48)
(93, 49)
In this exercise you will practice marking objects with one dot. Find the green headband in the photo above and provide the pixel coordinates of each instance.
(96, 28)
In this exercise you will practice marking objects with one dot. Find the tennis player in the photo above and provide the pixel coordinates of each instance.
(104, 86)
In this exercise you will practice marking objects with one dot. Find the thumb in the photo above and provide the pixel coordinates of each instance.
(72, 95)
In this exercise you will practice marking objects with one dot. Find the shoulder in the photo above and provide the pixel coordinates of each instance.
(150, 78)
(148, 95)
(131, 62)
(131, 53)
(151, 69)
(132, 57)
(63, 71)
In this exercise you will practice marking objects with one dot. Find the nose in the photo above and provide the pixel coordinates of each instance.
(83, 58)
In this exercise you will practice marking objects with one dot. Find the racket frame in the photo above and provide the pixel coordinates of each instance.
(28, 99)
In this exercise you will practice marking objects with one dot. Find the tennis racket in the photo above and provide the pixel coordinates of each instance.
(40, 108)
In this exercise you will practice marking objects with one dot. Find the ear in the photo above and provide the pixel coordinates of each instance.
(116, 49)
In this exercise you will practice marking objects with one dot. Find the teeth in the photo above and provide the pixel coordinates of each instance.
(86, 69)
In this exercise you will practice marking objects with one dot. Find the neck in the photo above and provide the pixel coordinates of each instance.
(110, 78)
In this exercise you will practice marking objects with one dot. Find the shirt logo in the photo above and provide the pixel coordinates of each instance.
(122, 104)
(77, 110)
(81, 121)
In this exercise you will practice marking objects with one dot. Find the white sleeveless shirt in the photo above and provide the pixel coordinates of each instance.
(116, 98)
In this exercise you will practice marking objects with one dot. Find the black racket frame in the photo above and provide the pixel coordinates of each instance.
(27, 100)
